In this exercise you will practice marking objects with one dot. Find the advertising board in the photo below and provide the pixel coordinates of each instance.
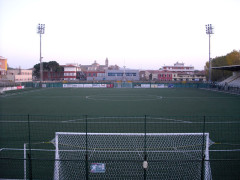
(145, 86)
(88, 85)
(160, 86)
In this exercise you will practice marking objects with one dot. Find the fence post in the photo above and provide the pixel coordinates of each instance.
(145, 147)
(86, 155)
(25, 159)
(203, 145)
(30, 153)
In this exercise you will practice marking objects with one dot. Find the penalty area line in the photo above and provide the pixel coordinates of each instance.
(175, 120)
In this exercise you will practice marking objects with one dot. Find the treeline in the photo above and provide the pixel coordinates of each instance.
(51, 66)
(232, 58)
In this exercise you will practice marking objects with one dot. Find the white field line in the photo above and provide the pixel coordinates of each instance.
(30, 121)
(83, 150)
(150, 97)
(73, 120)
(205, 97)
(96, 118)
(175, 120)
(225, 150)
(226, 92)
(108, 97)
(20, 93)
(124, 122)
(18, 149)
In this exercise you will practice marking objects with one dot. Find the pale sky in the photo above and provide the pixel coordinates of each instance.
(142, 34)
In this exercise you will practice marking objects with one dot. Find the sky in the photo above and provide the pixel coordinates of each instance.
(140, 34)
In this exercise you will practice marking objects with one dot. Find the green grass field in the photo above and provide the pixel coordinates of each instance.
(181, 110)
(120, 102)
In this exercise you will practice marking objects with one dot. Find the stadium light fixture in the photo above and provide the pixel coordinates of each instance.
(209, 31)
(41, 30)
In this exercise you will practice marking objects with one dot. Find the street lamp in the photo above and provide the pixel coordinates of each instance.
(209, 31)
(41, 30)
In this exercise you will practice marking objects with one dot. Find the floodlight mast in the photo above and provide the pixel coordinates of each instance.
(41, 30)
(209, 31)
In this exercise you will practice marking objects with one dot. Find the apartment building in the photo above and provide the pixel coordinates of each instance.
(70, 71)
(3, 66)
(19, 75)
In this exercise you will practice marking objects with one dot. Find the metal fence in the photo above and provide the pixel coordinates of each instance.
(224, 88)
(29, 148)
(116, 84)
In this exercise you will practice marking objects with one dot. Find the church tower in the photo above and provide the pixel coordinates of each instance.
(106, 62)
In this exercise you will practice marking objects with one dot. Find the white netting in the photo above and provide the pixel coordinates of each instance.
(170, 156)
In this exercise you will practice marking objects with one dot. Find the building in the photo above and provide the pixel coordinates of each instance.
(156, 75)
(189, 77)
(151, 74)
(166, 76)
(179, 68)
(97, 72)
(180, 72)
(113, 75)
(71, 71)
(53, 76)
(3, 66)
(95, 66)
(122, 75)
(19, 75)
(93, 72)
(95, 75)
(142, 76)
(177, 72)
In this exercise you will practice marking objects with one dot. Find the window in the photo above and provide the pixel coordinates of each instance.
(130, 74)
(115, 74)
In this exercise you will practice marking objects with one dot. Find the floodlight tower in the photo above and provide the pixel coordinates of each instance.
(209, 31)
(41, 30)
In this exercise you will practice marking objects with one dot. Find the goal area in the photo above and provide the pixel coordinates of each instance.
(132, 155)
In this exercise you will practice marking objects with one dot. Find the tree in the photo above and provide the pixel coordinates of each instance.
(150, 76)
(230, 59)
(233, 58)
(219, 75)
(113, 67)
(51, 66)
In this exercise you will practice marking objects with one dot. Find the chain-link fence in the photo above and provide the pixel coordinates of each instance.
(145, 147)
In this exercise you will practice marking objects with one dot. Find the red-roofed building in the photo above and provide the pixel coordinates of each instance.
(71, 71)
(95, 75)
(157, 75)
(53, 76)
(179, 68)
(166, 75)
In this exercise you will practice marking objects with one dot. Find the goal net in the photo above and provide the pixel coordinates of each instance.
(119, 155)
(123, 84)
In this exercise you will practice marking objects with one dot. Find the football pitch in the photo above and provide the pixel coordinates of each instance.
(31, 117)
(120, 102)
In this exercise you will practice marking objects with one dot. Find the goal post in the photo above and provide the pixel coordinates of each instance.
(169, 155)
